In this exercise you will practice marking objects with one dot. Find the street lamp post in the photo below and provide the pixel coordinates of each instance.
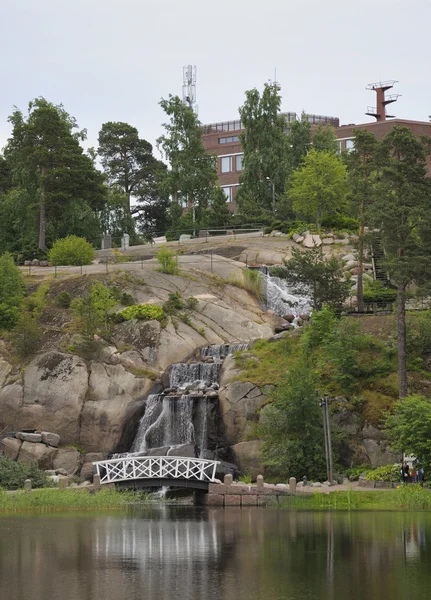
(273, 194)
(324, 403)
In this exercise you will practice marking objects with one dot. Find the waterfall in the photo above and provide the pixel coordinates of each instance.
(279, 296)
(166, 422)
(221, 351)
(182, 375)
(182, 415)
(152, 411)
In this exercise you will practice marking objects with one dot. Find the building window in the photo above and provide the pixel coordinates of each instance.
(226, 164)
(228, 189)
(228, 140)
(239, 161)
(350, 144)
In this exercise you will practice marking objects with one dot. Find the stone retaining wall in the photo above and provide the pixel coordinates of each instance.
(239, 494)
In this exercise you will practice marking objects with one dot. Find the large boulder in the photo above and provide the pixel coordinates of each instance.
(379, 453)
(144, 336)
(114, 396)
(5, 369)
(11, 447)
(39, 453)
(87, 471)
(247, 458)
(29, 437)
(50, 439)
(68, 459)
(188, 450)
(51, 396)
(312, 241)
(239, 403)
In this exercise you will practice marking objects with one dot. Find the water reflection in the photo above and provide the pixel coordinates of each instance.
(254, 554)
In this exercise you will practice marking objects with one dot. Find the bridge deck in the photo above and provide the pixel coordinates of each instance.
(157, 471)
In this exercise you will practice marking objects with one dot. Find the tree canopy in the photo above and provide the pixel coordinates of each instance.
(62, 188)
(318, 187)
(401, 211)
(409, 428)
(192, 173)
(265, 147)
(309, 273)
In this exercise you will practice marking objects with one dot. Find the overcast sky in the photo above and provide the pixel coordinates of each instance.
(109, 60)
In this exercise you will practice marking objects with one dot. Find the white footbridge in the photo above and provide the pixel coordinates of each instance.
(157, 471)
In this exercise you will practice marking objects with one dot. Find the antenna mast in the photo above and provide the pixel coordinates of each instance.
(189, 87)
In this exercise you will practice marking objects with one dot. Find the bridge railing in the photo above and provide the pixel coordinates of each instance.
(156, 467)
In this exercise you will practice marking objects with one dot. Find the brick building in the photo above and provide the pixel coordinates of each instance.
(222, 139)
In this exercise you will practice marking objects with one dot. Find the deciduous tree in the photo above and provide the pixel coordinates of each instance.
(192, 173)
(318, 187)
(265, 147)
(409, 428)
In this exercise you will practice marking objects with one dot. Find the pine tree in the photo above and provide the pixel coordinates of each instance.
(127, 159)
(362, 165)
(218, 214)
(402, 212)
(47, 161)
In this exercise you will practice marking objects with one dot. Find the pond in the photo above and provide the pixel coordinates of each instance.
(169, 553)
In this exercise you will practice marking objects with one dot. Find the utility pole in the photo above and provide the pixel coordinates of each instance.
(324, 403)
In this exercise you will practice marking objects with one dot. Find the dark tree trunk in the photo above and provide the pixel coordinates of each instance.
(360, 290)
(402, 354)
(42, 213)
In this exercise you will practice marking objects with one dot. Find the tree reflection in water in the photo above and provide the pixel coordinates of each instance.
(255, 554)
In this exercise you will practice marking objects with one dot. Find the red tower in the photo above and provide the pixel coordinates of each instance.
(379, 111)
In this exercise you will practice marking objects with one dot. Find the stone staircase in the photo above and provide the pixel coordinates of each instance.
(378, 259)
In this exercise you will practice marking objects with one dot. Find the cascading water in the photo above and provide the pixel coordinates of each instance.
(221, 351)
(279, 297)
(182, 375)
(182, 415)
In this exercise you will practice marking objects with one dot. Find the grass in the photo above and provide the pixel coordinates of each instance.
(55, 500)
(269, 361)
(141, 372)
(411, 497)
(250, 280)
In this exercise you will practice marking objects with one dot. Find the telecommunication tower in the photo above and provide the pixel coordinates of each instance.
(189, 87)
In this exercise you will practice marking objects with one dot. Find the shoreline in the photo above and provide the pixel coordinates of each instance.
(54, 500)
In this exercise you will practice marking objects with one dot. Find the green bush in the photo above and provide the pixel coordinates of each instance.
(340, 222)
(71, 250)
(142, 312)
(167, 261)
(174, 303)
(375, 291)
(12, 290)
(63, 299)
(386, 473)
(8, 316)
(127, 299)
(93, 312)
(13, 474)
(419, 334)
(26, 335)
